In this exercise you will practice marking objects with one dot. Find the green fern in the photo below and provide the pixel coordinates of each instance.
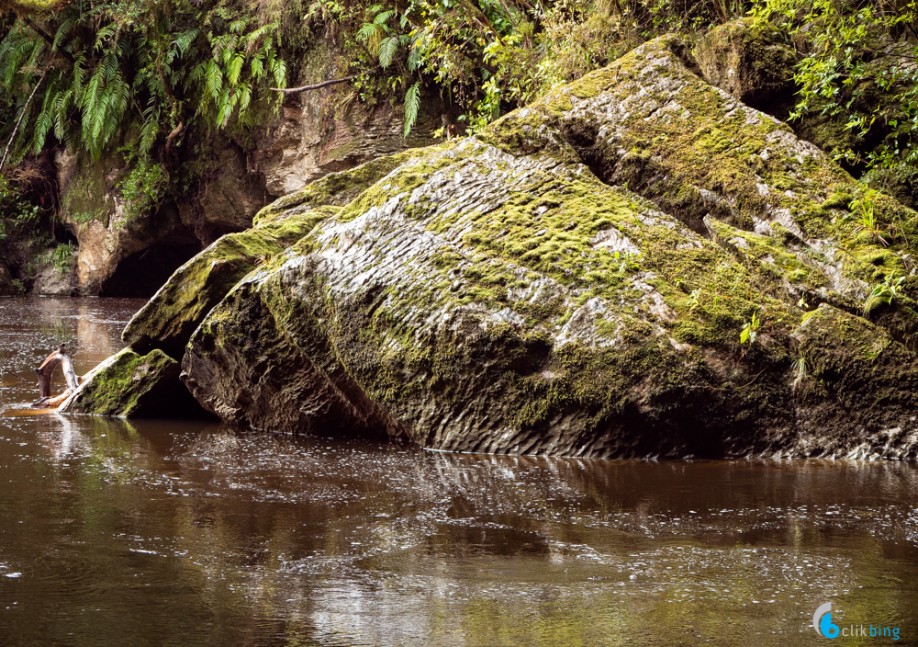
(368, 32)
(387, 50)
(126, 72)
(412, 106)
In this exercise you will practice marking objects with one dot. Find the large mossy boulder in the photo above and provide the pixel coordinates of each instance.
(636, 265)
(168, 319)
(128, 385)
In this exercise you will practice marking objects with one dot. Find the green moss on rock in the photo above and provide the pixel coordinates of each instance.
(128, 385)
(335, 189)
(858, 365)
(753, 63)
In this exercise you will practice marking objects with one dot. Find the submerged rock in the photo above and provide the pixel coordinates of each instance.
(636, 265)
(128, 385)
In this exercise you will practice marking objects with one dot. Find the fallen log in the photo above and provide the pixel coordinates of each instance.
(45, 373)
(70, 376)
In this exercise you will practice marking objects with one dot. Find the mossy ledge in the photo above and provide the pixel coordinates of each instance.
(636, 265)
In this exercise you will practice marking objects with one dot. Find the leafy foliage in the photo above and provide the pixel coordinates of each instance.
(859, 64)
(490, 56)
(138, 71)
(884, 294)
(14, 208)
(62, 257)
(751, 330)
(144, 188)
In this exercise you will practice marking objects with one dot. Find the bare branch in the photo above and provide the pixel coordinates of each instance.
(22, 113)
(315, 86)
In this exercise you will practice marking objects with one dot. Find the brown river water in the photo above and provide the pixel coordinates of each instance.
(188, 533)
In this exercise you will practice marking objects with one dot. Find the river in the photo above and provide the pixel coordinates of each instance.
(188, 533)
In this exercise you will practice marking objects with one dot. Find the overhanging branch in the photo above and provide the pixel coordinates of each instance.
(315, 86)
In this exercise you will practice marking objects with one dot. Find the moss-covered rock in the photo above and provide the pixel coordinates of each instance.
(753, 63)
(756, 64)
(632, 266)
(649, 123)
(335, 189)
(844, 362)
(128, 385)
(168, 319)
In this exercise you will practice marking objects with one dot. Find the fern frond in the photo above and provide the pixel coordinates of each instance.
(182, 42)
(149, 131)
(62, 104)
(79, 76)
(62, 32)
(16, 54)
(43, 123)
(366, 32)
(415, 58)
(257, 68)
(278, 69)
(213, 79)
(412, 106)
(234, 69)
(104, 34)
(257, 34)
(387, 50)
(245, 100)
(225, 106)
(383, 17)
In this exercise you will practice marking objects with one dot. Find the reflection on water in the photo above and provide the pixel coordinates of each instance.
(166, 533)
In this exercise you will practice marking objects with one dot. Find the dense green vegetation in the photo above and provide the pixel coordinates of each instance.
(856, 58)
(93, 75)
(97, 74)
(151, 80)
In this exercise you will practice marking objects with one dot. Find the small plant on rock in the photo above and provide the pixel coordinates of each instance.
(750, 330)
(864, 209)
(801, 372)
(884, 294)
(62, 257)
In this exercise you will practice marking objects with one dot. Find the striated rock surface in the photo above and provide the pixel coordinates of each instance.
(636, 265)
(128, 385)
